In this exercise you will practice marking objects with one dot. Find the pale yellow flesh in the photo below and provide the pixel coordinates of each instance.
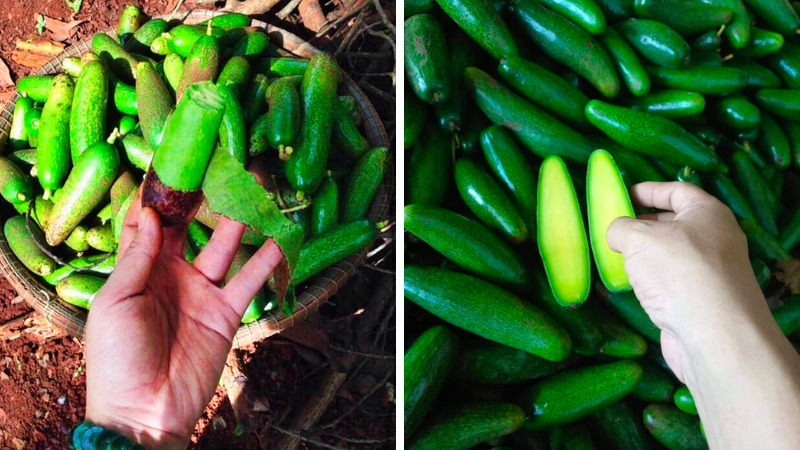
(561, 234)
(606, 199)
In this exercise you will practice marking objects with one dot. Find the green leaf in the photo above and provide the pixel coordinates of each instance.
(40, 24)
(75, 5)
(234, 193)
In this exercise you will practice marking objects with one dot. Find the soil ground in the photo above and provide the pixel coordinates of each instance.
(43, 382)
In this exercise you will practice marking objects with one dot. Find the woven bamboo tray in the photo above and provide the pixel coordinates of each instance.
(310, 296)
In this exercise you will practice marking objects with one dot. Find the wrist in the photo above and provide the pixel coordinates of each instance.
(146, 436)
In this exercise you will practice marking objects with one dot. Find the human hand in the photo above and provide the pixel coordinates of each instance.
(688, 266)
(159, 330)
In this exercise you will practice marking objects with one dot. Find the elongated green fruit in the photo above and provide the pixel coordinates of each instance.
(182, 39)
(761, 243)
(684, 400)
(426, 65)
(486, 310)
(102, 238)
(253, 102)
(179, 164)
(173, 70)
(755, 190)
(571, 395)
(126, 125)
(737, 31)
(25, 159)
(53, 155)
(469, 425)
(700, 79)
(37, 87)
(762, 43)
(427, 363)
(306, 169)
(144, 36)
(483, 24)
(546, 89)
(783, 103)
(709, 58)
(776, 14)
(138, 150)
(724, 189)
(656, 385)
(280, 67)
(482, 361)
(561, 234)
(79, 290)
(413, 123)
(202, 64)
(329, 248)
(616, 10)
(686, 17)
(345, 132)
(786, 63)
(233, 129)
(251, 45)
(88, 114)
(467, 243)
(652, 135)
(788, 316)
(32, 124)
(568, 44)
(119, 61)
(790, 235)
(100, 265)
(430, 168)
(77, 239)
(237, 72)
(228, 20)
(462, 55)
(737, 112)
(155, 103)
(363, 183)
(18, 134)
(486, 199)
(674, 428)
(627, 62)
(325, 208)
(606, 199)
(15, 186)
(632, 164)
(630, 310)
(571, 436)
(671, 104)
(656, 41)
(260, 300)
(92, 177)
(540, 132)
(585, 13)
(23, 247)
(773, 141)
(758, 76)
(283, 115)
(125, 99)
(129, 21)
(709, 41)
(616, 427)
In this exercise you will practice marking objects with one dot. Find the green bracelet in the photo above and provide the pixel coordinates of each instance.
(87, 436)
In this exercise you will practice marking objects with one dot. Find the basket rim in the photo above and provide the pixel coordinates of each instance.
(315, 293)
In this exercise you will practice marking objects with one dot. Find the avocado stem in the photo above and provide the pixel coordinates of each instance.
(46, 195)
(21, 196)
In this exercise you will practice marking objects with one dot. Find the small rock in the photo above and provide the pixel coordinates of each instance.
(46, 398)
(19, 444)
(62, 400)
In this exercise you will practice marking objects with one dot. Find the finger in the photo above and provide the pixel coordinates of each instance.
(133, 269)
(626, 233)
(215, 259)
(664, 216)
(130, 225)
(675, 196)
(252, 276)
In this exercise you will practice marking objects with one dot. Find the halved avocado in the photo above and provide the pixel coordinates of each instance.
(561, 234)
(606, 199)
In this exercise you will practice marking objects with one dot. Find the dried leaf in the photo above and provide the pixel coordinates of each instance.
(61, 30)
(31, 60)
(5, 75)
(41, 46)
(788, 273)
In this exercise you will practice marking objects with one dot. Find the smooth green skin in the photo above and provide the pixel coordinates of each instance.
(786, 63)
(119, 61)
(86, 187)
(97, 265)
(32, 124)
(429, 171)
(546, 89)
(363, 183)
(228, 20)
(345, 132)
(656, 385)
(189, 138)
(777, 15)
(773, 141)
(23, 158)
(182, 39)
(652, 135)
(619, 341)
(584, 13)
(468, 426)
(788, 315)
(512, 170)
(630, 163)
(689, 175)
(253, 103)
(737, 31)
(198, 235)
(77, 240)
(706, 133)
(41, 211)
(144, 36)
(53, 155)
(724, 189)
(792, 130)
(686, 17)
(251, 45)
(326, 249)
(790, 235)
(18, 134)
(568, 44)
(348, 102)
(426, 366)
(761, 243)
(755, 190)
(202, 64)
(762, 43)
(129, 21)
(306, 169)
(258, 136)
(233, 129)
(710, 58)
(483, 24)
(155, 103)
(616, 10)
(684, 400)
(325, 208)
(126, 125)
(617, 427)
(467, 243)
(15, 186)
(627, 62)
(414, 7)
(426, 63)
(414, 120)
(783, 103)
(283, 117)
(568, 396)
(138, 151)
(762, 272)
(37, 87)
(574, 436)
(125, 99)
(23, 247)
(656, 41)
(486, 310)
(672, 104)
(737, 112)
(257, 304)
(758, 76)
(237, 72)
(468, 138)
(482, 361)
(79, 290)
(463, 54)
(704, 80)
(606, 199)
(537, 130)
(486, 199)
(173, 70)
(89, 108)
(673, 428)
(280, 67)
(709, 41)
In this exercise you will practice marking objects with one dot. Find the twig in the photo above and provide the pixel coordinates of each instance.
(361, 441)
(383, 95)
(359, 402)
(379, 269)
(299, 436)
(250, 7)
(284, 13)
(336, 22)
(368, 355)
(384, 19)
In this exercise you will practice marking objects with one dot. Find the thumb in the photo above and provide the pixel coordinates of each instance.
(130, 276)
(624, 233)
